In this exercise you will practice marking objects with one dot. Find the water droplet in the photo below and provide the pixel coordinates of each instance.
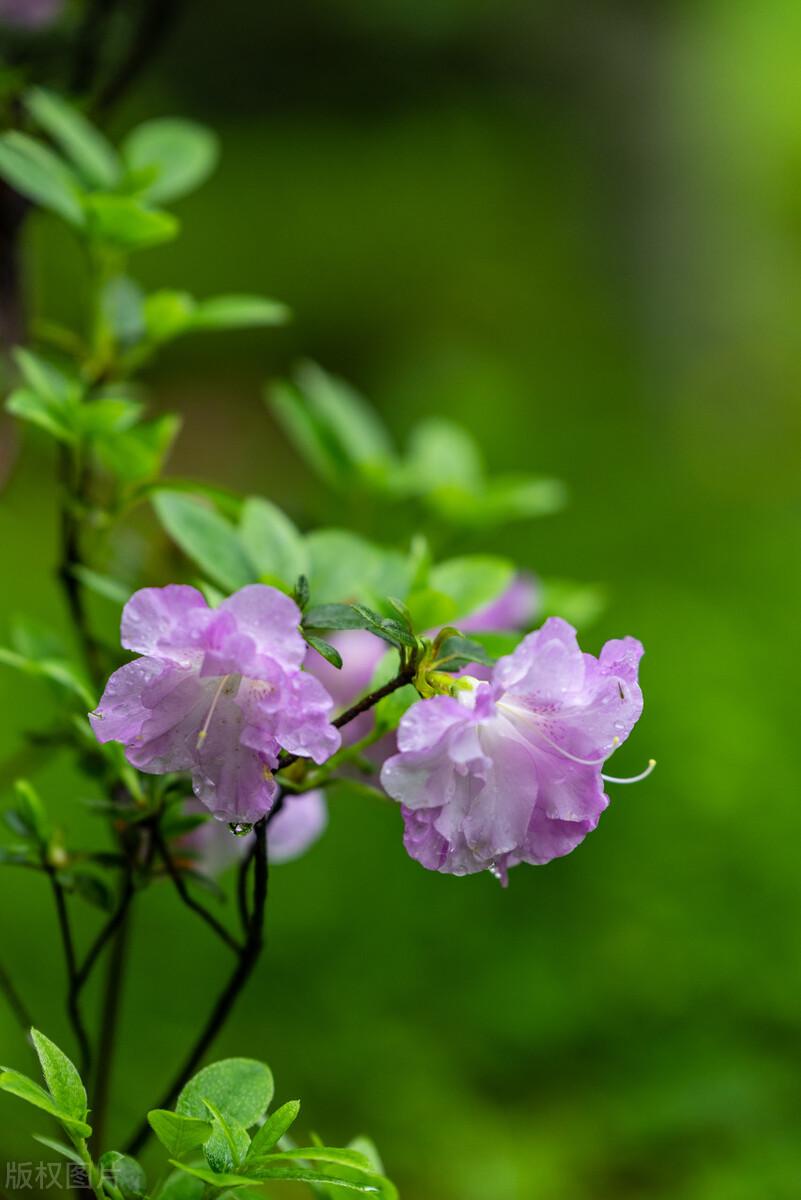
(240, 829)
(495, 872)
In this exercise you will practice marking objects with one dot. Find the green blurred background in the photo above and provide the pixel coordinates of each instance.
(575, 227)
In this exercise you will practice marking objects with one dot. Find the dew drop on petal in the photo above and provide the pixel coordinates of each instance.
(240, 829)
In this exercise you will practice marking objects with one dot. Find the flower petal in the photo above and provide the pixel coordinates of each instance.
(164, 622)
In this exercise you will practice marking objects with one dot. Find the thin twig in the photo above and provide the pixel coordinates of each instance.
(189, 900)
(248, 958)
(73, 1006)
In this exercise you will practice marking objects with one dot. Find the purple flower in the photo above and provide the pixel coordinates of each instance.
(218, 692)
(29, 14)
(509, 771)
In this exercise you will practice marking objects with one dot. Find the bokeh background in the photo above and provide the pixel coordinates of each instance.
(575, 227)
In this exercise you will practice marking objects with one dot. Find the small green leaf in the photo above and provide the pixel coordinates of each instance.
(457, 652)
(333, 616)
(183, 153)
(273, 544)
(472, 582)
(368, 1183)
(274, 1129)
(240, 1088)
(329, 652)
(442, 453)
(238, 312)
(92, 154)
(32, 813)
(216, 1179)
(179, 1186)
(178, 1133)
(122, 304)
(126, 224)
(301, 592)
(305, 433)
(137, 455)
(37, 173)
(19, 1085)
(384, 627)
(58, 1148)
(50, 381)
(61, 1076)
(124, 1172)
(228, 1144)
(352, 423)
(344, 566)
(107, 415)
(167, 314)
(325, 1154)
(50, 416)
(205, 537)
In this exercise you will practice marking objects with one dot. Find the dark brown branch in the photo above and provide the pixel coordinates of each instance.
(189, 900)
(73, 1006)
(15, 1001)
(248, 958)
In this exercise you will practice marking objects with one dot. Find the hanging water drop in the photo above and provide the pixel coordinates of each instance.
(240, 828)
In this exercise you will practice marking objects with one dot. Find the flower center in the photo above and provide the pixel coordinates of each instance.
(228, 685)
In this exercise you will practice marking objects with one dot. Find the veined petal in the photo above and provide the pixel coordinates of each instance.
(165, 622)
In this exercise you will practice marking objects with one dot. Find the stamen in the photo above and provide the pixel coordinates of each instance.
(583, 762)
(201, 737)
(634, 778)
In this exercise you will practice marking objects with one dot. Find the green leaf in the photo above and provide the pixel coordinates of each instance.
(578, 603)
(228, 1144)
(389, 711)
(126, 224)
(240, 1088)
(92, 154)
(61, 1076)
(137, 455)
(325, 1154)
(107, 415)
(58, 1148)
(368, 1183)
(329, 652)
(333, 616)
(50, 416)
(345, 567)
(59, 671)
(122, 304)
(442, 453)
(167, 313)
(48, 380)
(216, 1179)
(352, 423)
(273, 544)
(102, 585)
(274, 1128)
(178, 1133)
(457, 652)
(90, 884)
(472, 582)
(386, 628)
(19, 1085)
(124, 1172)
(183, 153)
(305, 433)
(37, 173)
(238, 312)
(205, 537)
(32, 813)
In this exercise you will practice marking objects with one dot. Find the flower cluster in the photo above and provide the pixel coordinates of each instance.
(502, 770)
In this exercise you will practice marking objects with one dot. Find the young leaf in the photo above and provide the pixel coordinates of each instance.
(31, 406)
(352, 423)
(344, 566)
(206, 537)
(124, 1173)
(122, 302)
(273, 544)
(19, 1085)
(442, 453)
(305, 433)
(61, 1076)
(240, 1088)
(92, 154)
(273, 1129)
(472, 582)
(228, 1143)
(183, 153)
(31, 813)
(178, 1186)
(385, 627)
(102, 585)
(178, 1133)
(368, 1183)
(58, 1148)
(457, 652)
(167, 313)
(333, 616)
(215, 1178)
(238, 312)
(329, 652)
(126, 224)
(137, 455)
(37, 173)
(325, 1154)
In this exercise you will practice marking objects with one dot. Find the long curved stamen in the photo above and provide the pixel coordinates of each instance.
(201, 737)
(634, 778)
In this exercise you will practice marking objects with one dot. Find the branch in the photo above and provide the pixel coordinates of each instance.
(189, 901)
(73, 1007)
(73, 486)
(248, 957)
